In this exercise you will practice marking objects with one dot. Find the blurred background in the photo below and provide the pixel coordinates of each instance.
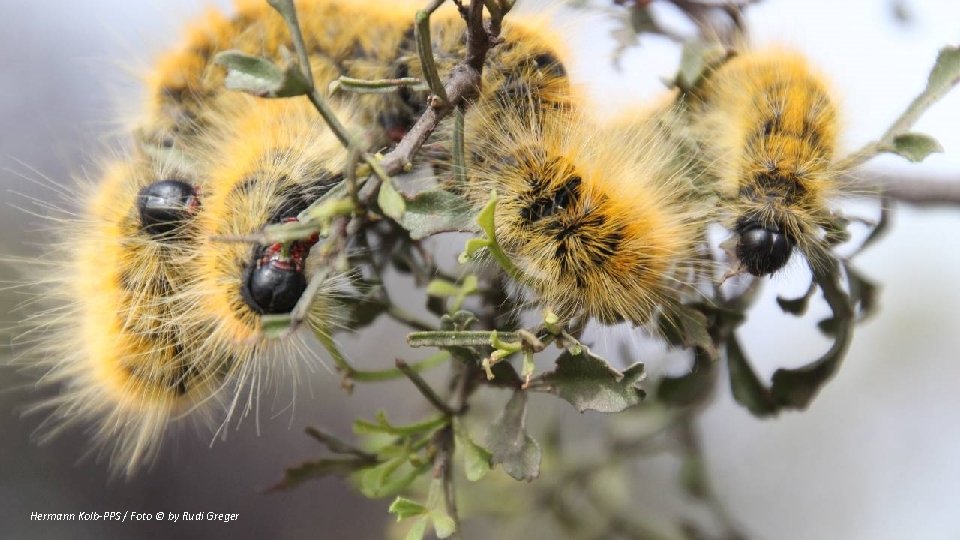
(873, 458)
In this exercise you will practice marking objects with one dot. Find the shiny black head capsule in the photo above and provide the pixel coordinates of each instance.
(165, 204)
(274, 281)
(273, 287)
(762, 249)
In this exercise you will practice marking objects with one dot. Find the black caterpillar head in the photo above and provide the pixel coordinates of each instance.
(762, 248)
(165, 205)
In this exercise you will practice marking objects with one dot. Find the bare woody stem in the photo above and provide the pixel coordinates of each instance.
(462, 85)
(909, 189)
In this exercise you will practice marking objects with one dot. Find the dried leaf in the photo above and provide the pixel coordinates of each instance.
(746, 387)
(509, 443)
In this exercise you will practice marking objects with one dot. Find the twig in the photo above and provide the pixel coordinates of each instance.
(424, 388)
(914, 190)
(462, 85)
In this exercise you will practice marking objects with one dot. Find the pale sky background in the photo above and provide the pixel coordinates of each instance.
(874, 458)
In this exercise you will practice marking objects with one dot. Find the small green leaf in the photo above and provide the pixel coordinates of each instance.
(312, 470)
(418, 530)
(690, 388)
(797, 306)
(696, 60)
(260, 76)
(443, 524)
(276, 326)
(442, 288)
(746, 387)
(437, 211)
(590, 383)
(391, 202)
(476, 459)
(289, 231)
(404, 508)
(510, 445)
(685, 326)
(382, 425)
(946, 71)
(914, 146)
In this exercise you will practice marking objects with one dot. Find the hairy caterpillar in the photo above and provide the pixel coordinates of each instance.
(108, 337)
(767, 126)
(601, 222)
(152, 316)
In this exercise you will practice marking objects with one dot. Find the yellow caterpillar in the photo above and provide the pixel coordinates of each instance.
(767, 126)
(107, 337)
(152, 316)
(601, 222)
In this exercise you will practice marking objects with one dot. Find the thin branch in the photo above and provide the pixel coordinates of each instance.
(914, 190)
(462, 85)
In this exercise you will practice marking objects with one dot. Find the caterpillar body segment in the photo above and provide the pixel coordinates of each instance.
(767, 126)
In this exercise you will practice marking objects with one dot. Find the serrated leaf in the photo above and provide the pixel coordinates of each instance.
(510, 445)
(590, 383)
(390, 477)
(404, 508)
(476, 459)
(690, 388)
(796, 306)
(745, 385)
(261, 77)
(686, 327)
(437, 211)
(391, 202)
(312, 470)
(914, 146)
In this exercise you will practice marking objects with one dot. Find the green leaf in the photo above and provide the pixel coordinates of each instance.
(685, 326)
(510, 445)
(405, 508)
(914, 146)
(690, 388)
(276, 326)
(697, 58)
(797, 306)
(437, 211)
(476, 459)
(442, 288)
(946, 71)
(796, 388)
(443, 524)
(321, 468)
(390, 477)
(590, 383)
(418, 530)
(260, 76)
(382, 425)
(391, 202)
(746, 387)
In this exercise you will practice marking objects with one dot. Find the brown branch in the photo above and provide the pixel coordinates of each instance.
(914, 190)
(462, 84)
